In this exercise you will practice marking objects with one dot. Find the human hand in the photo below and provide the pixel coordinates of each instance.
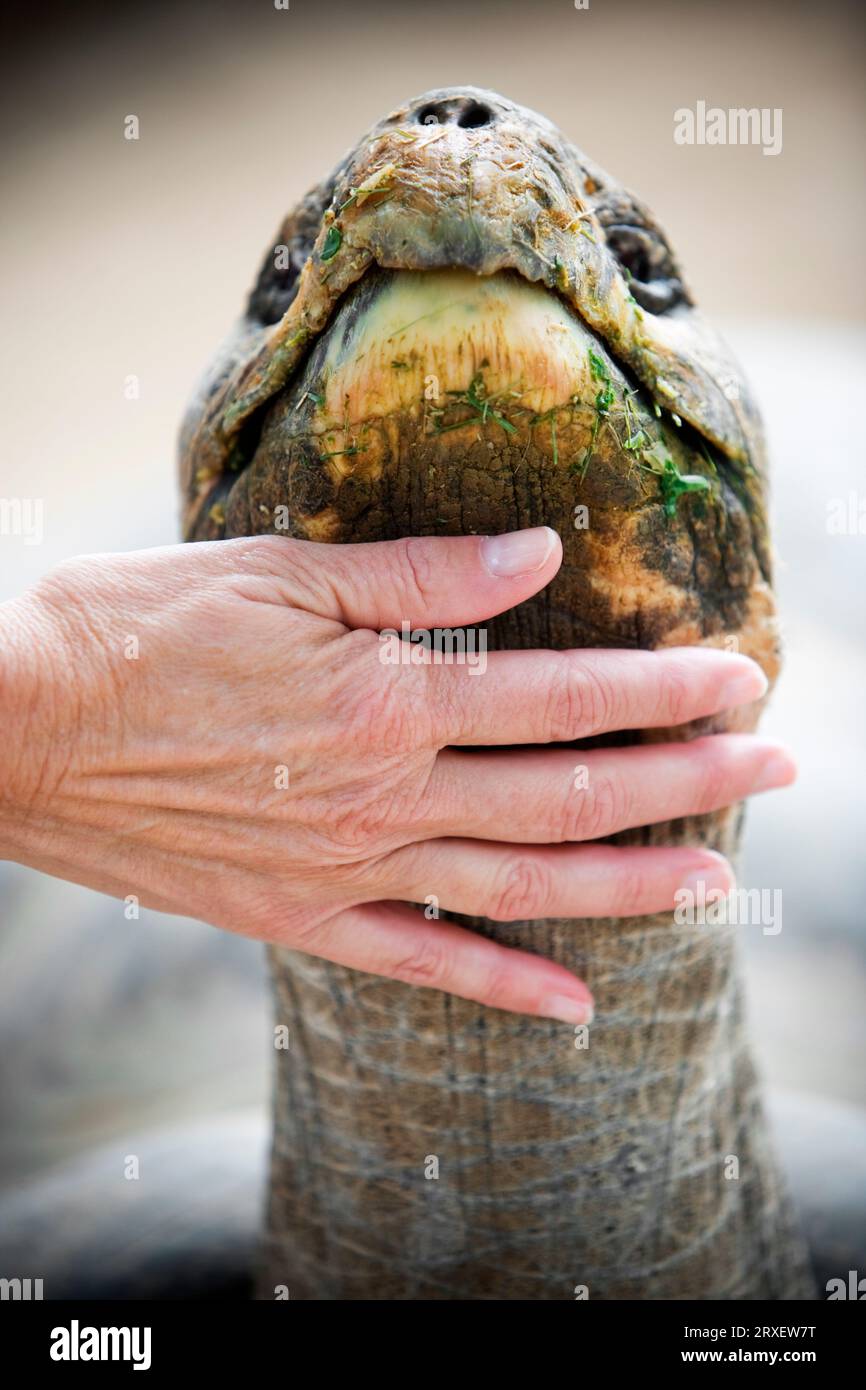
(210, 728)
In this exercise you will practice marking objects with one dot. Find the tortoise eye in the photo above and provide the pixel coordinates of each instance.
(277, 280)
(275, 287)
(648, 266)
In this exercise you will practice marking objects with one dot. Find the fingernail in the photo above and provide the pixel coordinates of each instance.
(716, 875)
(744, 687)
(567, 1010)
(778, 771)
(517, 552)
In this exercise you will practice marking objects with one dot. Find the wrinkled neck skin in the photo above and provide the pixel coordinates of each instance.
(452, 348)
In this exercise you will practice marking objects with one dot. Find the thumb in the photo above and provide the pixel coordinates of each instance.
(428, 581)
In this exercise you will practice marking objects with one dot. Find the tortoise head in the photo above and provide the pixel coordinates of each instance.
(464, 240)
(463, 178)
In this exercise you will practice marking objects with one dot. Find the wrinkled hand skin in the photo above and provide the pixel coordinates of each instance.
(148, 769)
(213, 732)
(603, 1167)
(168, 761)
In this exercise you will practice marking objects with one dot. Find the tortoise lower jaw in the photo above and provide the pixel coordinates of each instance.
(423, 369)
(431, 379)
(406, 336)
(423, 353)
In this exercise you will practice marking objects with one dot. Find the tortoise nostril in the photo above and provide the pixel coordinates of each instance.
(431, 115)
(460, 111)
(474, 115)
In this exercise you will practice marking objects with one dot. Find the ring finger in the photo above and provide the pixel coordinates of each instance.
(546, 797)
(507, 884)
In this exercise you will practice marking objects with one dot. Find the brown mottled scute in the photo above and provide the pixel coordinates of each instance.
(471, 328)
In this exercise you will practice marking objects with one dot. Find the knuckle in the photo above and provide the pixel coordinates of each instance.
(497, 990)
(600, 699)
(358, 823)
(629, 889)
(386, 714)
(278, 557)
(289, 926)
(416, 571)
(282, 569)
(579, 701)
(304, 933)
(444, 697)
(268, 554)
(601, 809)
(271, 912)
(381, 816)
(287, 568)
(426, 964)
(675, 695)
(278, 553)
(521, 891)
(715, 775)
(563, 708)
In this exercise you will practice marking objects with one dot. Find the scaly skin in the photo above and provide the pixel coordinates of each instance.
(460, 352)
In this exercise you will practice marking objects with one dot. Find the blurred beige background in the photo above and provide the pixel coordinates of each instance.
(124, 258)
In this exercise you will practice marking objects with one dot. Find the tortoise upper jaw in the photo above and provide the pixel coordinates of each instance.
(483, 186)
